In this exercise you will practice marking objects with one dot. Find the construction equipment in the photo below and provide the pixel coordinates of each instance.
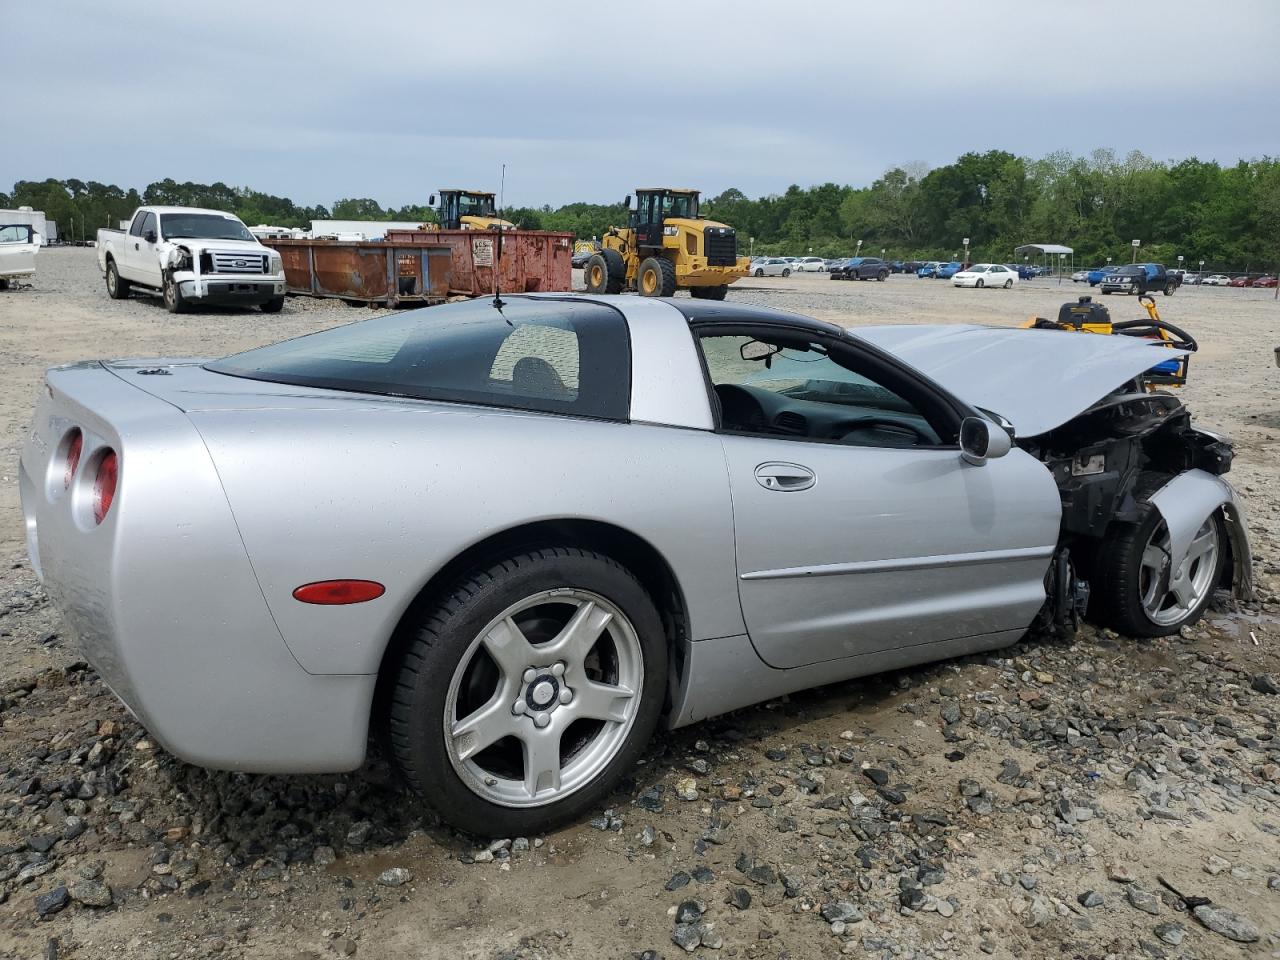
(468, 210)
(1085, 316)
(666, 247)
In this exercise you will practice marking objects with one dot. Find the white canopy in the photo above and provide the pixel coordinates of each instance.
(1042, 248)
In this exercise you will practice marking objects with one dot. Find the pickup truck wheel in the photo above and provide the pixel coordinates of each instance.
(1140, 589)
(173, 299)
(274, 305)
(529, 691)
(117, 286)
(1169, 288)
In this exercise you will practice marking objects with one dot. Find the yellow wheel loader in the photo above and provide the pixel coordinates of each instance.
(666, 247)
(468, 210)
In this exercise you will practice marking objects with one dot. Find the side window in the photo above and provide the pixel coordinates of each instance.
(148, 223)
(779, 386)
(539, 362)
(13, 234)
(135, 228)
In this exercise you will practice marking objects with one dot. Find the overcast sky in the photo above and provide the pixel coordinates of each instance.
(585, 101)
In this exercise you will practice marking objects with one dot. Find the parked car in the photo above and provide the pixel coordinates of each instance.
(1024, 270)
(1190, 278)
(189, 255)
(319, 577)
(948, 270)
(861, 268)
(19, 244)
(771, 267)
(810, 265)
(580, 258)
(986, 275)
(834, 262)
(1265, 282)
(928, 271)
(1239, 282)
(1139, 278)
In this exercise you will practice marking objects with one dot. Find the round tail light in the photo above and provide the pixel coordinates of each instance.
(104, 485)
(75, 446)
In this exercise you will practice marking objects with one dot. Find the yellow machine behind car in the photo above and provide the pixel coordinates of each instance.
(1085, 316)
(667, 247)
(468, 210)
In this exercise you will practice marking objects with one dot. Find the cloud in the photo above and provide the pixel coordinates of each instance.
(392, 100)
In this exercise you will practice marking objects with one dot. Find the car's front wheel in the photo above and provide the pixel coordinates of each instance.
(174, 301)
(528, 692)
(1148, 587)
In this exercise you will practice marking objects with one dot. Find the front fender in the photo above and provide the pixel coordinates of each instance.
(1186, 500)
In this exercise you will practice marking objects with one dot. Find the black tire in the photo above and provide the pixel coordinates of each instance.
(1169, 288)
(759, 272)
(172, 296)
(274, 305)
(117, 287)
(596, 274)
(656, 278)
(980, 283)
(1008, 284)
(4, 283)
(786, 271)
(709, 293)
(1115, 601)
(441, 637)
(882, 276)
(617, 270)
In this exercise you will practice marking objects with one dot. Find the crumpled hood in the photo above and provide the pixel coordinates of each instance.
(1035, 379)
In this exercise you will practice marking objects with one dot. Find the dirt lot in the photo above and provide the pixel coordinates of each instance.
(1045, 801)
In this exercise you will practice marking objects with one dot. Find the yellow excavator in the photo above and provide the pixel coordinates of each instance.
(666, 247)
(468, 210)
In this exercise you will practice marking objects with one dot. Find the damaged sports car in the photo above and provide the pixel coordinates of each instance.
(510, 539)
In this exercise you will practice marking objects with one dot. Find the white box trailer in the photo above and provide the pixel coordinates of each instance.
(359, 229)
(32, 218)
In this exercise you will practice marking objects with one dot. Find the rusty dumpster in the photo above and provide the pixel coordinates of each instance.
(532, 260)
(367, 271)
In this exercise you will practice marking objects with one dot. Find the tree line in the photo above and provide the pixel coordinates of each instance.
(1228, 216)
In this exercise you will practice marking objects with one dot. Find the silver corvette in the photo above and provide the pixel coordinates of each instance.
(513, 540)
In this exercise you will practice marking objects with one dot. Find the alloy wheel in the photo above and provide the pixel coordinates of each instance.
(1171, 589)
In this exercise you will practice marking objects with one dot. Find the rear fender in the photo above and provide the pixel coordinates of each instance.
(1186, 500)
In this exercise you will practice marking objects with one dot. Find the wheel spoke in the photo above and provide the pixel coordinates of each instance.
(601, 701)
(509, 647)
(1182, 590)
(580, 634)
(541, 760)
(1205, 542)
(484, 727)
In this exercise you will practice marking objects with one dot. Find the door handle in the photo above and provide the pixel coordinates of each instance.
(784, 477)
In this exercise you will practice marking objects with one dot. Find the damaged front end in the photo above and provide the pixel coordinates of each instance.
(1131, 448)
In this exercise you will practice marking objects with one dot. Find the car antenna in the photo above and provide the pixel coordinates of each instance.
(497, 259)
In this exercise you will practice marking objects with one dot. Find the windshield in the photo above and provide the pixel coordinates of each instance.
(680, 205)
(203, 226)
(557, 356)
(1131, 271)
(978, 268)
(472, 205)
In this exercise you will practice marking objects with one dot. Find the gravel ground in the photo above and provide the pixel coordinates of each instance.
(1074, 798)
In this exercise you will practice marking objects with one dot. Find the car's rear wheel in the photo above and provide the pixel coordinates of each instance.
(1008, 284)
(882, 276)
(528, 692)
(117, 287)
(1141, 588)
(1169, 288)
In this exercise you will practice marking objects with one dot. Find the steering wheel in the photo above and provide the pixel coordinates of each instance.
(739, 410)
(841, 430)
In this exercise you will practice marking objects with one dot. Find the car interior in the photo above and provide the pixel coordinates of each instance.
(779, 385)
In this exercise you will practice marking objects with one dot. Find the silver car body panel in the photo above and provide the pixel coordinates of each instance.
(1186, 500)
(1007, 370)
(234, 492)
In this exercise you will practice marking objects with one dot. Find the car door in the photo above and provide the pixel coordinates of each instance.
(146, 263)
(858, 526)
(17, 250)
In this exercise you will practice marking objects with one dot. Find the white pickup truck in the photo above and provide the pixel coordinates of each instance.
(191, 256)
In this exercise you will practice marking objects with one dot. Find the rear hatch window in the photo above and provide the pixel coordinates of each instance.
(558, 356)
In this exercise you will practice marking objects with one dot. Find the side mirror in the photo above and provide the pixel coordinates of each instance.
(431, 200)
(626, 204)
(149, 236)
(981, 440)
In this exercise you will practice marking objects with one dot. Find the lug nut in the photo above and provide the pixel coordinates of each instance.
(530, 674)
(541, 719)
(519, 707)
(566, 695)
(558, 670)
